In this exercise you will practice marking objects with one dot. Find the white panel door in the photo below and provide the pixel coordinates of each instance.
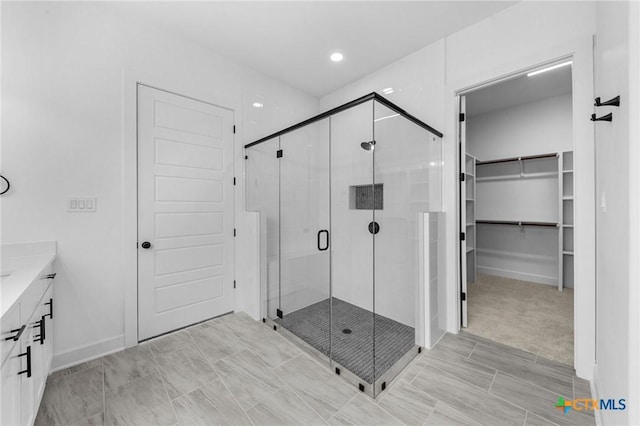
(185, 211)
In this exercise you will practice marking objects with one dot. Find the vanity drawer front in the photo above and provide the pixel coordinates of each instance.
(30, 300)
(10, 321)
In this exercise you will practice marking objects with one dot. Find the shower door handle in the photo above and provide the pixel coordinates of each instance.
(320, 232)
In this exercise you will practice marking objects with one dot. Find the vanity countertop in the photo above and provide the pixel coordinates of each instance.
(20, 265)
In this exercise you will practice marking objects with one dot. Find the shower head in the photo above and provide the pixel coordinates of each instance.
(368, 146)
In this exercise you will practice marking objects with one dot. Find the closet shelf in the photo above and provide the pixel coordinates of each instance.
(518, 223)
(510, 159)
(567, 171)
(568, 253)
(568, 197)
(517, 176)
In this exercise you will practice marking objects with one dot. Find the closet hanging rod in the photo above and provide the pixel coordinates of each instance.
(507, 160)
(519, 223)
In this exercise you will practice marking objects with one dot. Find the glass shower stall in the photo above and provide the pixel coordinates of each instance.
(340, 197)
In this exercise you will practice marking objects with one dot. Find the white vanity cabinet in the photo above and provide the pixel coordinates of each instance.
(27, 338)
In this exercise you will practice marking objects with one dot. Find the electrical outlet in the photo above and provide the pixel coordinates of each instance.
(81, 205)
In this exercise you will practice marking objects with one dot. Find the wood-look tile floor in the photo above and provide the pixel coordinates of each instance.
(236, 371)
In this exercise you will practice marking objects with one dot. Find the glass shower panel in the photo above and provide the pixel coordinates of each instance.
(406, 159)
(263, 195)
(304, 235)
(352, 201)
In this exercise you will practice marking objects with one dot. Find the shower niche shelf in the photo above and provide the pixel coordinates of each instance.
(366, 197)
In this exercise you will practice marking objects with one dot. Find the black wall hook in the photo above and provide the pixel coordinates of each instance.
(608, 117)
(611, 102)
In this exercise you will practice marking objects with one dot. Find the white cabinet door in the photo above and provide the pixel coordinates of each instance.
(28, 374)
(10, 389)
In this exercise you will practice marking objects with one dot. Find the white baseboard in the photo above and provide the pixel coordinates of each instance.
(81, 354)
(523, 276)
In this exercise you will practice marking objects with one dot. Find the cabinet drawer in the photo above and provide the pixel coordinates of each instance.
(30, 299)
(10, 321)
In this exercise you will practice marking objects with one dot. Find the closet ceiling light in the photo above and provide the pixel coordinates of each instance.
(552, 67)
(387, 91)
(336, 57)
(257, 105)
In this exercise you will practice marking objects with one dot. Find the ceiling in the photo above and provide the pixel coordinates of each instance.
(519, 90)
(291, 40)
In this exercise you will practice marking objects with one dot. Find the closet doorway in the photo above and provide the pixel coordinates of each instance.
(516, 212)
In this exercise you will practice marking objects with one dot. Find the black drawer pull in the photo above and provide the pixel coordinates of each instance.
(42, 336)
(18, 332)
(51, 276)
(50, 303)
(28, 355)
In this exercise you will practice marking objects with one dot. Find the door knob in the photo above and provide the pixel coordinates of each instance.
(146, 245)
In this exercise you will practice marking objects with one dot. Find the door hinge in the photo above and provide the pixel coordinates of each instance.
(234, 181)
(234, 232)
(246, 157)
(234, 129)
(461, 117)
(279, 313)
(461, 177)
(279, 153)
(463, 296)
(234, 283)
(462, 236)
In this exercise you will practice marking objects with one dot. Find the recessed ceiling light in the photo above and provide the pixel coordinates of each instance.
(552, 67)
(336, 57)
(257, 105)
(387, 91)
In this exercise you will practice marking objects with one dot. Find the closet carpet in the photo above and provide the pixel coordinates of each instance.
(533, 317)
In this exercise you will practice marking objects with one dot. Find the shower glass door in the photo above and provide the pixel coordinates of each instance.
(305, 235)
(352, 203)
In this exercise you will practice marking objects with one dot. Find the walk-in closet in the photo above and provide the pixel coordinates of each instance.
(516, 213)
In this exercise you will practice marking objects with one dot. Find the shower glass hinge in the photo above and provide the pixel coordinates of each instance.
(234, 181)
(234, 283)
(384, 386)
(461, 116)
(463, 296)
(337, 371)
(361, 387)
(234, 232)
(462, 236)
(234, 128)
(461, 177)
(279, 313)
(279, 153)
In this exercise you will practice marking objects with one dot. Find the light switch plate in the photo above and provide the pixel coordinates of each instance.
(81, 205)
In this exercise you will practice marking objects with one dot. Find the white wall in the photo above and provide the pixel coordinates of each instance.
(613, 221)
(524, 35)
(539, 127)
(533, 128)
(634, 210)
(62, 113)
